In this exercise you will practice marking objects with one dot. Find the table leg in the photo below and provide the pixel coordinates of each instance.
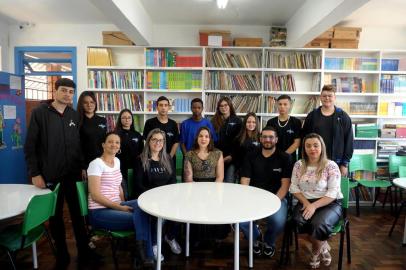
(34, 255)
(250, 255)
(237, 246)
(159, 243)
(187, 239)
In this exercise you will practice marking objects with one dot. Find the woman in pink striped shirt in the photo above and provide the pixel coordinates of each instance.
(107, 208)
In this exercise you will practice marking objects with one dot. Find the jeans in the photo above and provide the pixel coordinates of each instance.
(275, 225)
(229, 173)
(115, 220)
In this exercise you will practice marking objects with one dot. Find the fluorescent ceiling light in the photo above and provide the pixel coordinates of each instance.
(221, 4)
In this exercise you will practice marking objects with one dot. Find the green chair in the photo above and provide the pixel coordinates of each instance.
(395, 162)
(20, 236)
(179, 166)
(366, 162)
(113, 235)
(130, 183)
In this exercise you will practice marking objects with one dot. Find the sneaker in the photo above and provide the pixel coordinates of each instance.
(325, 254)
(269, 250)
(257, 248)
(175, 247)
(314, 261)
(155, 251)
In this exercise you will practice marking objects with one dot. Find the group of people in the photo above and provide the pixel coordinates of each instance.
(65, 146)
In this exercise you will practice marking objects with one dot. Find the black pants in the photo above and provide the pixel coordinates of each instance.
(67, 191)
(321, 224)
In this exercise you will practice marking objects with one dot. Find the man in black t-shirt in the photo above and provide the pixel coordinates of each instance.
(164, 123)
(270, 169)
(288, 127)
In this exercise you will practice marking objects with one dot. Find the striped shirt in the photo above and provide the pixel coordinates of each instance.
(110, 181)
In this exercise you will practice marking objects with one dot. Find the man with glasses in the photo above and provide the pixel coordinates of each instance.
(268, 168)
(334, 126)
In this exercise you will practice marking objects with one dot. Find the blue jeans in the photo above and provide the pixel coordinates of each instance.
(275, 225)
(229, 173)
(115, 220)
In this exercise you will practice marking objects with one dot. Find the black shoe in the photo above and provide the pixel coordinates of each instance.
(257, 248)
(269, 250)
(62, 260)
(88, 255)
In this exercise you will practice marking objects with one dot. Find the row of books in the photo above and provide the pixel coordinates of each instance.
(242, 104)
(275, 82)
(392, 108)
(351, 63)
(119, 101)
(221, 80)
(387, 148)
(99, 57)
(364, 144)
(190, 80)
(163, 57)
(111, 120)
(222, 59)
(177, 105)
(365, 194)
(103, 79)
(393, 83)
(270, 105)
(358, 108)
(294, 60)
(349, 84)
(393, 64)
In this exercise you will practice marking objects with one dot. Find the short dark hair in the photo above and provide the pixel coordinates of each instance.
(210, 147)
(109, 134)
(64, 82)
(329, 88)
(162, 98)
(284, 96)
(270, 128)
(195, 100)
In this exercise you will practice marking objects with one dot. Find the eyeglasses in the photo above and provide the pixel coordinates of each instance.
(157, 141)
(223, 105)
(265, 137)
(327, 96)
(126, 118)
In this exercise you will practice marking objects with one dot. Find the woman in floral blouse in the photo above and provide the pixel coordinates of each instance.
(315, 183)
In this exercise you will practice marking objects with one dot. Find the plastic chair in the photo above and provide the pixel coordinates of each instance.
(20, 236)
(395, 162)
(343, 227)
(130, 183)
(366, 163)
(83, 197)
(179, 166)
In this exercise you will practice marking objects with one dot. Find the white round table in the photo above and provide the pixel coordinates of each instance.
(401, 182)
(209, 203)
(14, 198)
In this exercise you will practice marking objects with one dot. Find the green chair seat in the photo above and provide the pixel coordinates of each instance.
(375, 183)
(117, 234)
(11, 237)
(352, 184)
(337, 228)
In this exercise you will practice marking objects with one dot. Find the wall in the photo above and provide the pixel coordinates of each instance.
(383, 38)
(4, 33)
(79, 36)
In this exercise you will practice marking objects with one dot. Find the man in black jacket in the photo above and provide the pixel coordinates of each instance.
(53, 155)
(334, 126)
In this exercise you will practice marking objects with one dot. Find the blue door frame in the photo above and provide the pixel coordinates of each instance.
(19, 61)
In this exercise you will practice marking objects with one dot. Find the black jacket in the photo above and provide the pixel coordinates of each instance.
(343, 140)
(52, 147)
(227, 133)
(92, 133)
(132, 145)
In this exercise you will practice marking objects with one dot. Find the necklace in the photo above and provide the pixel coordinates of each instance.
(287, 121)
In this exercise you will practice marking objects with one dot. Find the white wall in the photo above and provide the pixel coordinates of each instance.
(4, 33)
(75, 35)
(383, 38)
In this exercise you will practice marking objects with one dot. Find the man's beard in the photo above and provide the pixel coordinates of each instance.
(268, 148)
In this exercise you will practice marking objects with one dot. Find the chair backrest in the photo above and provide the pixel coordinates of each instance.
(39, 209)
(402, 171)
(179, 164)
(365, 162)
(394, 163)
(130, 183)
(81, 188)
(345, 190)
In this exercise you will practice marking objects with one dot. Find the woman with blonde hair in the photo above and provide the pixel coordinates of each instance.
(315, 183)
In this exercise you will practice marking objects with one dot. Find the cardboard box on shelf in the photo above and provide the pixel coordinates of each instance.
(248, 42)
(388, 133)
(344, 44)
(318, 43)
(326, 35)
(346, 32)
(116, 38)
(225, 36)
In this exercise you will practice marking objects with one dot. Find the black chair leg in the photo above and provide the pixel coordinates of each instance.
(378, 191)
(285, 241)
(357, 200)
(340, 254)
(296, 240)
(396, 219)
(347, 233)
(396, 199)
(11, 256)
(50, 242)
(385, 198)
(113, 251)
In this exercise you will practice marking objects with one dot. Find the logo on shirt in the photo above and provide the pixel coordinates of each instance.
(256, 143)
(278, 170)
(290, 131)
(102, 126)
(170, 134)
(72, 123)
(232, 124)
(135, 140)
(158, 170)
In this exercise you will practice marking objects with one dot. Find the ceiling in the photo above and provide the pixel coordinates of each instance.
(195, 12)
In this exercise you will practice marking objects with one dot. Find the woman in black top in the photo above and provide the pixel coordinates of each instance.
(247, 140)
(227, 126)
(93, 128)
(131, 144)
(153, 169)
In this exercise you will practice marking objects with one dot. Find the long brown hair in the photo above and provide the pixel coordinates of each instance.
(243, 135)
(165, 159)
(322, 163)
(196, 146)
(218, 119)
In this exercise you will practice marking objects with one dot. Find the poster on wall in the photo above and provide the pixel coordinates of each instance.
(12, 129)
